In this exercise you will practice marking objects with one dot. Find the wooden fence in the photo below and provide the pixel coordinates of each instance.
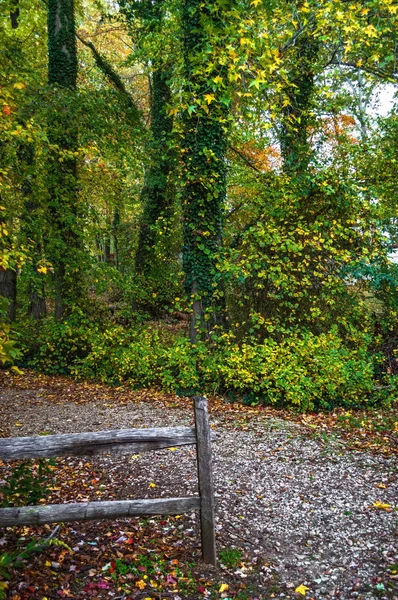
(121, 441)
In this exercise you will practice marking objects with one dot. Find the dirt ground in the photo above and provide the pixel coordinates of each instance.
(302, 510)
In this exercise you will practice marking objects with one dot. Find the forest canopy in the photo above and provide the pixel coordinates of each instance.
(201, 196)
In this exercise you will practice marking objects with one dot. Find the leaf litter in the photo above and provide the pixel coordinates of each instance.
(310, 503)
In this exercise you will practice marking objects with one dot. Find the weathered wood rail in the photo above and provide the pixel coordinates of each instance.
(121, 441)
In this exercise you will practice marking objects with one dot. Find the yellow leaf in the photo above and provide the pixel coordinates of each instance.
(209, 98)
(152, 485)
(244, 41)
(19, 86)
(141, 584)
(301, 589)
(255, 3)
(381, 505)
(223, 587)
(47, 563)
(42, 270)
(18, 424)
(172, 449)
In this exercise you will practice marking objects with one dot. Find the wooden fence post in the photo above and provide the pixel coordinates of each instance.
(205, 476)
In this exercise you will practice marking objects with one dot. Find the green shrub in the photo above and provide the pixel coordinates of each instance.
(53, 346)
(27, 483)
(9, 350)
(117, 354)
(231, 557)
(302, 370)
(137, 295)
(143, 356)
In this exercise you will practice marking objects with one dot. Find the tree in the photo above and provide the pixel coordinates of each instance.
(203, 148)
(65, 246)
(18, 136)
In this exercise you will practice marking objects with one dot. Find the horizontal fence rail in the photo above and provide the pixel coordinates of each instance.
(86, 511)
(121, 441)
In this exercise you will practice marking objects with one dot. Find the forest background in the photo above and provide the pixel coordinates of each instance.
(200, 196)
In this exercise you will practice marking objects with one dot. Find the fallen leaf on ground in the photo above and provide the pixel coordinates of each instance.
(301, 589)
(382, 506)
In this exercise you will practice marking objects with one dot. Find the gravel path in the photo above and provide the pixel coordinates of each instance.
(304, 505)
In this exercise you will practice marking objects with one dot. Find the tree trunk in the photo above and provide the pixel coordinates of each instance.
(107, 249)
(8, 289)
(115, 231)
(66, 247)
(204, 191)
(296, 119)
(14, 14)
(158, 192)
(37, 306)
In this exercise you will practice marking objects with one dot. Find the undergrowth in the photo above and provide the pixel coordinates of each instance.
(301, 370)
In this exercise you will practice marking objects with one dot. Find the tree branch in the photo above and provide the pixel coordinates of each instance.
(392, 77)
(113, 77)
(246, 160)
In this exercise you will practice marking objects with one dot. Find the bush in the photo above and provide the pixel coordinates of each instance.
(143, 357)
(54, 346)
(27, 483)
(9, 351)
(302, 371)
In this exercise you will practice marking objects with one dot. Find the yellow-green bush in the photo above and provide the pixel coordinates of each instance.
(9, 350)
(301, 370)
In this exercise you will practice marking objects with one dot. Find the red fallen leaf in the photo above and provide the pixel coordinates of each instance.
(130, 541)
(201, 589)
(103, 585)
(142, 569)
(113, 567)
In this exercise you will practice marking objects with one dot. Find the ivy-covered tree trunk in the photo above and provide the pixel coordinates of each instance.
(8, 290)
(65, 245)
(31, 230)
(158, 193)
(204, 169)
(8, 276)
(296, 114)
